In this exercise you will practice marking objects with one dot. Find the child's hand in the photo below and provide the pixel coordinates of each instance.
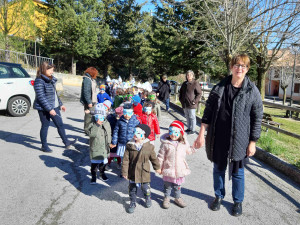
(158, 171)
(125, 177)
(112, 146)
(87, 111)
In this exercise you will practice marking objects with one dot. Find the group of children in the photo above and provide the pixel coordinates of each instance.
(126, 130)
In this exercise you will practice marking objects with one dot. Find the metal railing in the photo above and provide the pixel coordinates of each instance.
(29, 62)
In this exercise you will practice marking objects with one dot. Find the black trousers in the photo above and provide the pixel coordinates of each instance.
(95, 167)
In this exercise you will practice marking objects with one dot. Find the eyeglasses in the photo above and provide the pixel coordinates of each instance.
(236, 66)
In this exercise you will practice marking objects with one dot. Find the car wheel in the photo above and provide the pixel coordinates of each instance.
(18, 106)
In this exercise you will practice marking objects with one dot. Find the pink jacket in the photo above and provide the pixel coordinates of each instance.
(172, 158)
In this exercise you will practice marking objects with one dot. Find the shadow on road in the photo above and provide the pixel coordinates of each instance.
(75, 119)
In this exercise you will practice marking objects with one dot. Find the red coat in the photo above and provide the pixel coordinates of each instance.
(152, 122)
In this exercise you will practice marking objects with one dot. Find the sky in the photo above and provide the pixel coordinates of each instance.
(148, 6)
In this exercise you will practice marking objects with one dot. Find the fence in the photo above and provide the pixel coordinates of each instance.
(29, 62)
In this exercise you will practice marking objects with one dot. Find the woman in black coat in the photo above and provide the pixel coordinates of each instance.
(232, 117)
(49, 105)
(163, 91)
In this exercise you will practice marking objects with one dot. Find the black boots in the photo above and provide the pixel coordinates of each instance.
(215, 206)
(237, 209)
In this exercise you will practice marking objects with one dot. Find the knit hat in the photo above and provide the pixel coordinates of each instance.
(145, 128)
(178, 124)
(136, 98)
(127, 106)
(119, 110)
(102, 86)
(107, 103)
(138, 109)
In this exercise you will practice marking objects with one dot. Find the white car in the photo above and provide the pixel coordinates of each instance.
(16, 89)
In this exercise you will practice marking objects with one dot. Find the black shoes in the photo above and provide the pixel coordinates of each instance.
(71, 144)
(131, 207)
(47, 150)
(187, 130)
(215, 206)
(103, 176)
(93, 180)
(191, 132)
(237, 209)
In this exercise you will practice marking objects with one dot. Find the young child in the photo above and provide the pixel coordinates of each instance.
(102, 96)
(137, 107)
(124, 130)
(157, 110)
(112, 119)
(99, 132)
(119, 97)
(136, 166)
(173, 150)
(150, 119)
(144, 97)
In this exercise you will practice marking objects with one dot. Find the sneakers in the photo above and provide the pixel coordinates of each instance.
(71, 143)
(180, 202)
(131, 207)
(47, 149)
(119, 166)
(93, 180)
(191, 132)
(148, 202)
(166, 203)
(103, 177)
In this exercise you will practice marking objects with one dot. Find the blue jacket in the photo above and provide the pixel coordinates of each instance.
(124, 130)
(102, 97)
(44, 88)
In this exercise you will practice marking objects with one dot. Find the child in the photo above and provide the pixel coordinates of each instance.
(157, 110)
(136, 166)
(119, 97)
(100, 138)
(112, 119)
(150, 119)
(102, 96)
(144, 96)
(124, 130)
(171, 156)
(137, 107)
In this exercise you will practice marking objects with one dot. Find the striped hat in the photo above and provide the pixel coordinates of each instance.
(107, 103)
(178, 124)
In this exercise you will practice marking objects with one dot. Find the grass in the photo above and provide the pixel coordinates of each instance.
(281, 145)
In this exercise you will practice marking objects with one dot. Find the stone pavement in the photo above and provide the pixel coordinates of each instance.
(41, 188)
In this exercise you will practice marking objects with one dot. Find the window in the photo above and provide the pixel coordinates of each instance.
(4, 72)
(18, 73)
(297, 88)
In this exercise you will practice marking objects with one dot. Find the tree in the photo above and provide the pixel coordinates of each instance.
(16, 22)
(75, 30)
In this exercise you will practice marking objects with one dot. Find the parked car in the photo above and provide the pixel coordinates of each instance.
(203, 85)
(16, 89)
(154, 86)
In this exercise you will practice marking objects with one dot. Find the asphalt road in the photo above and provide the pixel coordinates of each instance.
(43, 188)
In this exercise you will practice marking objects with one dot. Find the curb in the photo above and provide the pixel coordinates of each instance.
(280, 165)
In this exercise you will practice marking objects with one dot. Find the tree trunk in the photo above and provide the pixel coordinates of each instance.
(73, 66)
(7, 55)
(284, 95)
(261, 77)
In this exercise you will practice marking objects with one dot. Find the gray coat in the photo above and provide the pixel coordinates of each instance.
(247, 113)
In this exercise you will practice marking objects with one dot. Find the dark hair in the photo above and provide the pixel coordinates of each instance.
(92, 71)
(119, 91)
(150, 104)
(44, 67)
(180, 139)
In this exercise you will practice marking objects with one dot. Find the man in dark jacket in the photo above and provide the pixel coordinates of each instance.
(163, 91)
(232, 116)
(189, 96)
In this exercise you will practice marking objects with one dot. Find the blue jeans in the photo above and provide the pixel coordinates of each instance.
(190, 115)
(45, 120)
(167, 102)
(168, 186)
(238, 184)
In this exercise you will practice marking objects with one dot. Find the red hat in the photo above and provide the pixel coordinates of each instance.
(178, 124)
(138, 109)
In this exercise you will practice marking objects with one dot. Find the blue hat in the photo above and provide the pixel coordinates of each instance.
(136, 98)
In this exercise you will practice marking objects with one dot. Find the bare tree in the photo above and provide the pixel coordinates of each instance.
(285, 73)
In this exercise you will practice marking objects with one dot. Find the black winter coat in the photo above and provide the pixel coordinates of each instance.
(164, 90)
(86, 90)
(247, 113)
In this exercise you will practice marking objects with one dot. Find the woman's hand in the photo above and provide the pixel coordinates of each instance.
(251, 148)
(52, 112)
(90, 105)
(63, 108)
(200, 141)
(112, 146)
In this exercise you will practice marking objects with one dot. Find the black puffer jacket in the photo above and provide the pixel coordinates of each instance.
(247, 113)
(164, 90)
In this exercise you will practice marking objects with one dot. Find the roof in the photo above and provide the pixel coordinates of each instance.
(10, 64)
